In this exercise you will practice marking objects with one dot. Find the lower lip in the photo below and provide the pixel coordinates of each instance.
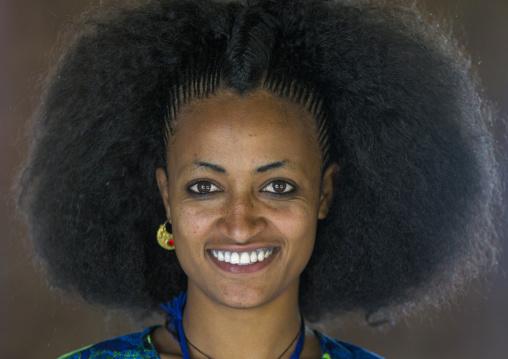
(243, 269)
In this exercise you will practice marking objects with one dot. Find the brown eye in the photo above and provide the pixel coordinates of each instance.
(203, 187)
(279, 187)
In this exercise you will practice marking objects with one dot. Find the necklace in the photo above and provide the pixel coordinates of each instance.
(175, 327)
(284, 352)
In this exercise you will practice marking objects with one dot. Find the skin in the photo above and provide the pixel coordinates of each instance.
(243, 173)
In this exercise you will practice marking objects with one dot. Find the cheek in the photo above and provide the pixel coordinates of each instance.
(191, 228)
(191, 224)
(298, 227)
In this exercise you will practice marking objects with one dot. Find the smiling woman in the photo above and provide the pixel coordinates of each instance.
(304, 158)
(256, 193)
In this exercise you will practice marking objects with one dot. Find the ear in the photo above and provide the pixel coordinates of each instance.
(162, 183)
(326, 199)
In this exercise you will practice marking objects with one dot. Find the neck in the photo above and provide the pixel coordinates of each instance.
(221, 331)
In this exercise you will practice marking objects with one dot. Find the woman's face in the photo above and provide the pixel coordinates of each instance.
(243, 195)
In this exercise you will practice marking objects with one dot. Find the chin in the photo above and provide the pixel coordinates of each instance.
(248, 297)
(242, 298)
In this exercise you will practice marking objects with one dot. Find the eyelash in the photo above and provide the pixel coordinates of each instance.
(193, 188)
(286, 192)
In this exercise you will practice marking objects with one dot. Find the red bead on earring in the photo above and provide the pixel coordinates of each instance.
(165, 238)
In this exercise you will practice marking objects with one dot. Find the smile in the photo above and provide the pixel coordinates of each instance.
(243, 258)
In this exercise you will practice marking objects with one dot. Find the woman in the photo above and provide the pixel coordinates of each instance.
(298, 158)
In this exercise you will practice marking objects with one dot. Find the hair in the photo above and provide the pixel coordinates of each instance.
(396, 104)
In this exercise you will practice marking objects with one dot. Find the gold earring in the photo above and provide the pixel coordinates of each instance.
(165, 238)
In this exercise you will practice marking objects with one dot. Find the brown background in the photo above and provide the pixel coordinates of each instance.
(38, 323)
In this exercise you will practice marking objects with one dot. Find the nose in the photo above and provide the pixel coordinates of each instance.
(241, 218)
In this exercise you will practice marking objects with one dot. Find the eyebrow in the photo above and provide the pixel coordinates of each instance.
(261, 169)
(271, 166)
(211, 166)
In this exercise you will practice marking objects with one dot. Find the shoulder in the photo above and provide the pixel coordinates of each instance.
(336, 349)
(136, 345)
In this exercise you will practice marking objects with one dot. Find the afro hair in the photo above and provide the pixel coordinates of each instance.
(397, 105)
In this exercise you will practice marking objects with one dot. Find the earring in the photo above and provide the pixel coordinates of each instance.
(165, 238)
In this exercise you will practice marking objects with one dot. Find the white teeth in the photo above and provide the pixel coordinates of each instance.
(253, 257)
(243, 258)
(235, 258)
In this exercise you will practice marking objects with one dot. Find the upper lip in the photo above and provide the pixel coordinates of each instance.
(242, 248)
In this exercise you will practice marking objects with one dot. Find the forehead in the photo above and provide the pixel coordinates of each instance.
(230, 106)
(260, 107)
(258, 127)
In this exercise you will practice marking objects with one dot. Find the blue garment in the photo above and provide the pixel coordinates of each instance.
(139, 346)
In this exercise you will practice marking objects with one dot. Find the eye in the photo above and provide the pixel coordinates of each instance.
(203, 187)
(278, 187)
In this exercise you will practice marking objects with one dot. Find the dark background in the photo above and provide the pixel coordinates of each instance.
(36, 322)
